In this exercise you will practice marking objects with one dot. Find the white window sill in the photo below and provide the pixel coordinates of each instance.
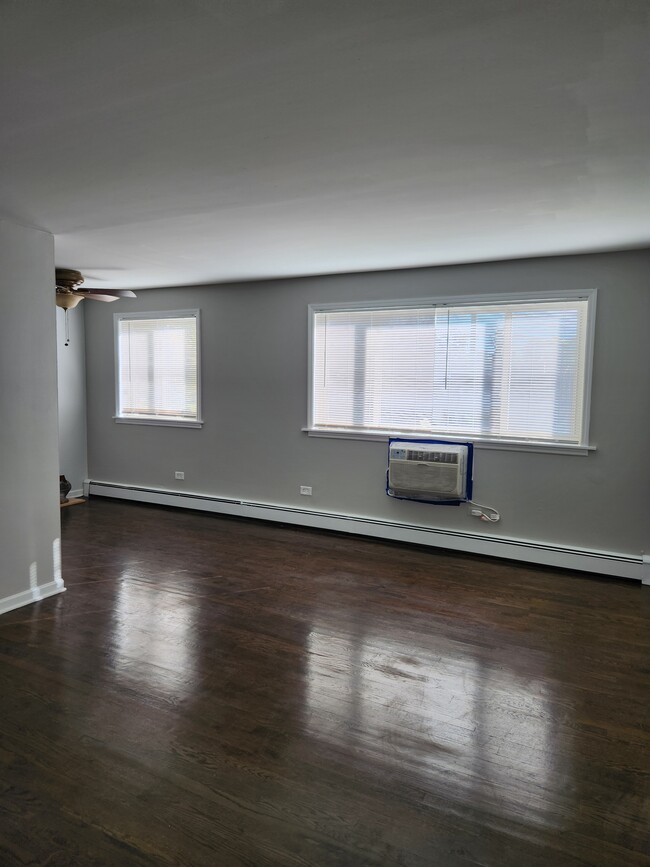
(506, 445)
(159, 422)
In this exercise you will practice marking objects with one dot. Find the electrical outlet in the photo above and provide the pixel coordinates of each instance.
(179, 475)
(305, 490)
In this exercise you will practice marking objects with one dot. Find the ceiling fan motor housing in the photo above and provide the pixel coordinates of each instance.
(67, 280)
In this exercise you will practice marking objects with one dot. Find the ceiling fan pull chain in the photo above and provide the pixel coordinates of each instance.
(67, 327)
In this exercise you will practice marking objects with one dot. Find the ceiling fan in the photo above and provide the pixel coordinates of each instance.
(68, 293)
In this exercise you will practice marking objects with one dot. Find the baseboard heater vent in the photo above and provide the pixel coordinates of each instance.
(600, 562)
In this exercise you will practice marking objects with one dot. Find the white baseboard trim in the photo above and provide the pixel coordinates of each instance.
(585, 560)
(34, 594)
(645, 576)
(78, 493)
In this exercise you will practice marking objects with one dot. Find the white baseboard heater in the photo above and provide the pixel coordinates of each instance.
(584, 560)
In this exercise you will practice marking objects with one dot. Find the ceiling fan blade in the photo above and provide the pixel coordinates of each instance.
(96, 296)
(96, 272)
(117, 293)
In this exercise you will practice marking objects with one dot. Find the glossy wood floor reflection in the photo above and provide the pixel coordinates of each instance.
(218, 692)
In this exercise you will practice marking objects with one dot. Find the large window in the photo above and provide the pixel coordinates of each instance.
(157, 368)
(497, 370)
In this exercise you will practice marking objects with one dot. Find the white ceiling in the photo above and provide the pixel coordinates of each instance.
(168, 142)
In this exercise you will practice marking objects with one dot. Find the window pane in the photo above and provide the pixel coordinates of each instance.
(158, 365)
(510, 371)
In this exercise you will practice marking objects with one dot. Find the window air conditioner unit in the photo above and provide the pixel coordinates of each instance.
(429, 471)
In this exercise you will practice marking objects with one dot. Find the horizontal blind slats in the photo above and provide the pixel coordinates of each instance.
(511, 370)
(158, 374)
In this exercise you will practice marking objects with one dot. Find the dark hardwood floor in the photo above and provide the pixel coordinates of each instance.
(221, 692)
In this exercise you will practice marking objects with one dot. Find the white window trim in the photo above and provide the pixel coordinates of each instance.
(146, 420)
(546, 446)
(159, 422)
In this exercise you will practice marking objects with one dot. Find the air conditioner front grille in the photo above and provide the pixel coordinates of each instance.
(432, 457)
(428, 471)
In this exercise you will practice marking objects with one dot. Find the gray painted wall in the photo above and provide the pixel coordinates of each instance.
(255, 399)
(29, 492)
(73, 458)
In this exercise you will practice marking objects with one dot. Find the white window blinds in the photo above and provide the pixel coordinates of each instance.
(157, 367)
(511, 371)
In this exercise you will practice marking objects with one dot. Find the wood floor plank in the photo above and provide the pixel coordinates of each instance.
(212, 691)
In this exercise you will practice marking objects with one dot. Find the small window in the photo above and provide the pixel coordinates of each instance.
(496, 370)
(157, 368)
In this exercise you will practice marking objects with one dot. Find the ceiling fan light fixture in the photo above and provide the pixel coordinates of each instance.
(67, 300)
